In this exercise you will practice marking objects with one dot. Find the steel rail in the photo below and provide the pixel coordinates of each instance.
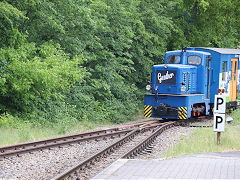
(147, 141)
(50, 140)
(201, 126)
(90, 160)
(94, 157)
(196, 122)
(47, 143)
(18, 152)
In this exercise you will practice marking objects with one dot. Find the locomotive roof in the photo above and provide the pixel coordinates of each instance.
(189, 50)
(222, 50)
(176, 65)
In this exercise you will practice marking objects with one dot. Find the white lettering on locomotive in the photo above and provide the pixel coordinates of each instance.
(164, 77)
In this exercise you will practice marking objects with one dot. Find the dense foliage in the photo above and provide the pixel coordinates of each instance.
(84, 60)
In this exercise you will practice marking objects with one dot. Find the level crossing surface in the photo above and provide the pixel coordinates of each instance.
(219, 165)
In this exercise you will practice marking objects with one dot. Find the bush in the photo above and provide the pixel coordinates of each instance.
(30, 76)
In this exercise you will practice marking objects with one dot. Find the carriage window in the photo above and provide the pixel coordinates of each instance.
(224, 70)
(173, 59)
(235, 70)
(194, 60)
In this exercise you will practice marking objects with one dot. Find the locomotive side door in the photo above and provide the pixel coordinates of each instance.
(208, 74)
(233, 81)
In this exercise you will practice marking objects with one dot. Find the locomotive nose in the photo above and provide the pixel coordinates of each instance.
(174, 79)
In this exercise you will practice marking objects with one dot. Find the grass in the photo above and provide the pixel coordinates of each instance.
(27, 132)
(201, 140)
(12, 135)
(205, 140)
(23, 132)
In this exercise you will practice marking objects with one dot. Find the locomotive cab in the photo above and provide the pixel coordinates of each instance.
(180, 87)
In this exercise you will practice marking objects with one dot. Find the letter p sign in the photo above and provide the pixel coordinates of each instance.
(220, 104)
(219, 122)
(219, 113)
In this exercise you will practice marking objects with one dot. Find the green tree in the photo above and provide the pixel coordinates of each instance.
(10, 18)
(207, 23)
(31, 75)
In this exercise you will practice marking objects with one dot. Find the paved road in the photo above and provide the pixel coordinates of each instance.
(225, 165)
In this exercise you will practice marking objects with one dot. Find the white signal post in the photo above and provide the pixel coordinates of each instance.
(219, 115)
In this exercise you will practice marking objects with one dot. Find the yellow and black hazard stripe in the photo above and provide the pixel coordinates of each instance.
(147, 111)
(182, 112)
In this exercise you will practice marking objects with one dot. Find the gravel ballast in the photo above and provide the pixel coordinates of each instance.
(48, 163)
(164, 141)
(115, 155)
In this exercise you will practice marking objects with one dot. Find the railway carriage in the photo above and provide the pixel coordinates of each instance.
(185, 85)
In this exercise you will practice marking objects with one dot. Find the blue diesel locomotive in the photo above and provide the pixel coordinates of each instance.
(185, 85)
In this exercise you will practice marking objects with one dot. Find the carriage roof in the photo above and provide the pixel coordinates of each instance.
(222, 50)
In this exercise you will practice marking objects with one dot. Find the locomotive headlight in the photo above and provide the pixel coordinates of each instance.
(148, 87)
(183, 88)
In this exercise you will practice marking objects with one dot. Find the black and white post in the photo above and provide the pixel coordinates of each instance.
(219, 115)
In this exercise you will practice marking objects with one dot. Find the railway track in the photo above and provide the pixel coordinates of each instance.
(201, 122)
(19, 149)
(87, 156)
(136, 141)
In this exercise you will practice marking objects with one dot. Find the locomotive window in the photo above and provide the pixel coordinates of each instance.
(224, 70)
(173, 59)
(194, 60)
